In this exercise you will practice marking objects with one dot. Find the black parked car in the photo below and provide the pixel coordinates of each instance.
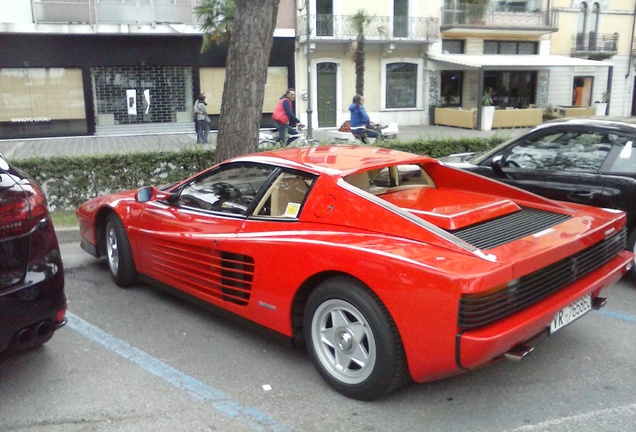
(32, 300)
(581, 160)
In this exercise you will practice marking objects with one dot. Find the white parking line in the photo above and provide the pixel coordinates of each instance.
(572, 421)
(195, 388)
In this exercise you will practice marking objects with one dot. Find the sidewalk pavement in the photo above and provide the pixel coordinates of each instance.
(16, 149)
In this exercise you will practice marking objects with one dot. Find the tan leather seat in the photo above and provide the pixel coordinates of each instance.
(289, 190)
(360, 180)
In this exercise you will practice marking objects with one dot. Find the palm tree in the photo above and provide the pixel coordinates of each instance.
(218, 19)
(360, 20)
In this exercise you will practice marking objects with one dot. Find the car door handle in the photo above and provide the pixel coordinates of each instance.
(586, 195)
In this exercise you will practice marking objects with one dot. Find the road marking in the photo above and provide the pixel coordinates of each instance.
(623, 316)
(199, 390)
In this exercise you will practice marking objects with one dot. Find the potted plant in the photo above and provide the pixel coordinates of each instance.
(487, 111)
(601, 107)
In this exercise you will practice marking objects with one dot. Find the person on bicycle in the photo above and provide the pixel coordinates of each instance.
(360, 125)
(284, 116)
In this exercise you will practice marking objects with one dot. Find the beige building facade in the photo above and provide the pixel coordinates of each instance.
(533, 54)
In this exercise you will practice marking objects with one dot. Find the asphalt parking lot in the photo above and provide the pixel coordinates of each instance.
(139, 359)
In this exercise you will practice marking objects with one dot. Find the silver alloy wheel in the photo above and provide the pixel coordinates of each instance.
(112, 249)
(343, 341)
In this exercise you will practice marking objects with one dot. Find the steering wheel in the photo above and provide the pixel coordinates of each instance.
(512, 163)
(226, 191)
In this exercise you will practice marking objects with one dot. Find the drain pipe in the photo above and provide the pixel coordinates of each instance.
(630, 57)
(631, 45)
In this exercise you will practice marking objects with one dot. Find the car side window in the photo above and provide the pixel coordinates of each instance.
(227, 190)
(624, 157)
(585, 152)
(563, 151)
(285, 196)
(534, 153)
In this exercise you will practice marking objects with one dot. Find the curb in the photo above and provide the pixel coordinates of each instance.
(67, 235)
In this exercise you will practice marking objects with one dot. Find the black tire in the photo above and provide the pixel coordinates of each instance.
(360, 354)
(631, 246)
(118, 252)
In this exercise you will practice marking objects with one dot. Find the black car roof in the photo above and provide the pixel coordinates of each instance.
(627, 125)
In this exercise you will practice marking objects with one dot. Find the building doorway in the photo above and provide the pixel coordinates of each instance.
(582, 91)
(326, 83)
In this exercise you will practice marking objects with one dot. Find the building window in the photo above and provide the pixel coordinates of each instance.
(453, 46)
(401, 85)
(516, 89)
(400, 18)
(510, 47)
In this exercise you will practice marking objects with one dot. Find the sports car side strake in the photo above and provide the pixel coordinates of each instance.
(388, 266)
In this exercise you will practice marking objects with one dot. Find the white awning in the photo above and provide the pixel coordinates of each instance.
(522, 61)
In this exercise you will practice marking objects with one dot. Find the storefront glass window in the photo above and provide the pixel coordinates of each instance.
(142, 94)
(41, 102)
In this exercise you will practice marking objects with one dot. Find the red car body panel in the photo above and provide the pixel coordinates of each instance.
(417, 271)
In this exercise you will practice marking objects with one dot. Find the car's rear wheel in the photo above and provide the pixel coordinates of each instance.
(119, 253)
(353, 341)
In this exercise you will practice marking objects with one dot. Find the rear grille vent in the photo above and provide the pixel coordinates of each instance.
(223, 275)
(480, 311)
(505, 229)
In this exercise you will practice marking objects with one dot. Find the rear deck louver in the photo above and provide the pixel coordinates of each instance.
(505, 229)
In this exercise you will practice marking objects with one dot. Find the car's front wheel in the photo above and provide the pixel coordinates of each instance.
(353, 341)
(119, 253)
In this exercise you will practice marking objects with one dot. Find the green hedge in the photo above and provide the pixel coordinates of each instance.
(69, 181)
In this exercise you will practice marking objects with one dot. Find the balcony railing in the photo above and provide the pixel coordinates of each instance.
(594, 45)
(139, 12)
(494, 16)
(380, 28)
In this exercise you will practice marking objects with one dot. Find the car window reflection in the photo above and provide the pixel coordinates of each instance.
(565, 151)
(230, 190)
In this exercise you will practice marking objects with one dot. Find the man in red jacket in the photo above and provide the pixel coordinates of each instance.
(284, 116)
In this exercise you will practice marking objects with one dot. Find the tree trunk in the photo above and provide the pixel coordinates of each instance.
(245, 77)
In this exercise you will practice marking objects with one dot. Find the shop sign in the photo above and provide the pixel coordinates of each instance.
(31, 120)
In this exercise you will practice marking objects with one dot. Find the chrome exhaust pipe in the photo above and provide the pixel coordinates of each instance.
(25, 339)
(518, 352)
(598, 303)
(44, 331)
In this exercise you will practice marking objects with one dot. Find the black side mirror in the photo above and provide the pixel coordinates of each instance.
(149, 193)
(495, 164)
(144, 194)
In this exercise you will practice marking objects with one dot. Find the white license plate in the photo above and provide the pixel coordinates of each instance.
(569, 313)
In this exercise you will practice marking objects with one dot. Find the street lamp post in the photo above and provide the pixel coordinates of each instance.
(306, 6)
